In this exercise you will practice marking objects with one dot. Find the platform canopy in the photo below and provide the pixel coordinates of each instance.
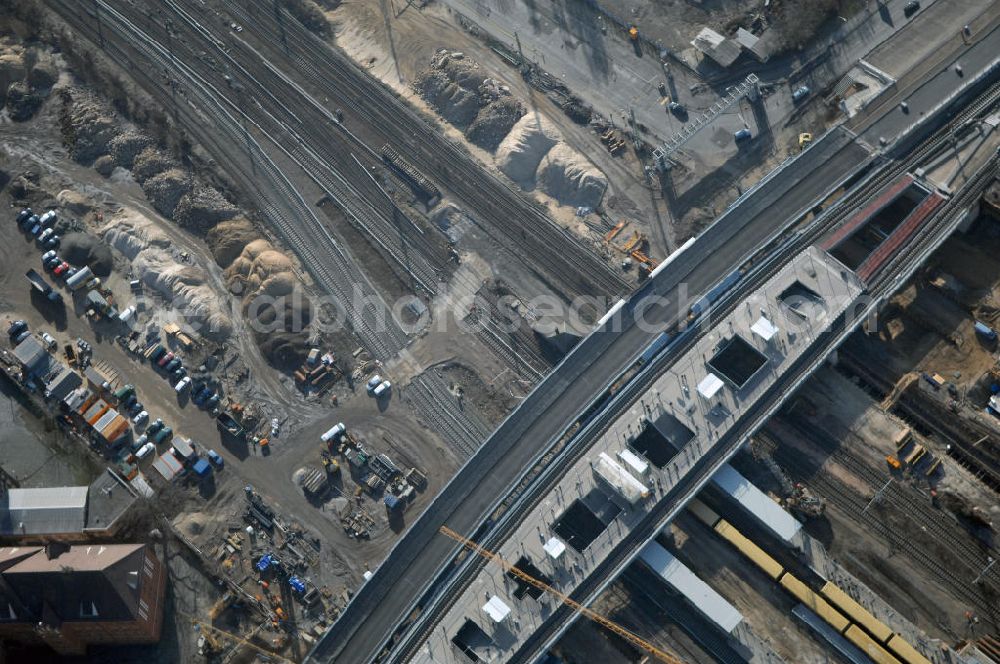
(709, 386)
(764, 329)
(496, 609)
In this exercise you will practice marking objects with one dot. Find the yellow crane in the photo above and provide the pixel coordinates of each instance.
(565, 599)
(229, 635)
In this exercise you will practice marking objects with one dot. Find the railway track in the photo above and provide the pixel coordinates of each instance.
(502, 212)
(840, 211)
(212, 118)
(848, 501)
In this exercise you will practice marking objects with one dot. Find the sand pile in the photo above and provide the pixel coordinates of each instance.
(273, 302)
(201, 208)
(520, 153)
(568, 177)
(166, 189)
(228, 238)
(154, 258)
(261, 269)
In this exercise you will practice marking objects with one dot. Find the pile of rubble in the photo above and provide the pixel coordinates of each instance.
(464, 96)
(26, 78)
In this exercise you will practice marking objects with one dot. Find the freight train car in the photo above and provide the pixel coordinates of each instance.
(856, 612)
(869, 647)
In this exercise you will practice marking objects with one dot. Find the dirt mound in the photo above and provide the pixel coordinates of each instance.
(75, 202)
(568, 177)
(202, 208)
(284, 350)
(22, 102)
(126, 146)
(520, 153)
(155, 259)
(465, 73)
(104, 165)
(43, 73)
(83, 249)
(494, 122)
(455, 104)
(151, 161)
(166, 189)
(11, 67)
(228, 238)
(261, 269)
(87, 127)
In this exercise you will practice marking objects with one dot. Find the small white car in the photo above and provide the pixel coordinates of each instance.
(183, 384)
(374, 382)
(382, 389)
(145, 451)
(141, 418)
(50, 341)
(51, 253)
(275, 427)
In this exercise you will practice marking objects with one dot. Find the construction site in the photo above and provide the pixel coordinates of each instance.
(462, 331)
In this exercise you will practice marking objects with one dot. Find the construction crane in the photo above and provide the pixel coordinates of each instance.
(565, 599)
(217, 645)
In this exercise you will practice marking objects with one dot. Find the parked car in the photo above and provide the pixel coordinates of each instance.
(743, 135)
(179, 373)
(30, 222)
(53, 242)
(145, 451)
(155, 427)
(141, 418)
(52, 263)
(50, 341)
(800, 93)
(16, 328)
(182, 384)
(140, 441)
(62, 267)
(162, 362)
(173, 365)
(382, 389)
(43, 236)
(47, 256)
(677, 110)
(374, 382)
(164, 434)
(22, 215)
(216, 460)
(131, 401)
(136, 408)
(48, 218)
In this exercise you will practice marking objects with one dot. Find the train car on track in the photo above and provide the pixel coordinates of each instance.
(859, 614)
(754, 553)
(703, 512)
(905, 651)
(815, 603)
(869, 647)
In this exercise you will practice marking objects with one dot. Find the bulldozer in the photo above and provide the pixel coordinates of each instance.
(804, 502)
(805, 138)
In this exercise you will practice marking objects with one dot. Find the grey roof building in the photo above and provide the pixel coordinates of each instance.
(31, 354)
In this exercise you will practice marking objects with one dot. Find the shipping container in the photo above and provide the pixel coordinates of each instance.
(80, 278)
(859, 614)
(869, 647)
(906, 652)
(754, 553)
(619, 479)
(814, 602)
(985, 331)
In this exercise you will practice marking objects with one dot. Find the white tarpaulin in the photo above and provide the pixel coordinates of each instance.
(709, 386)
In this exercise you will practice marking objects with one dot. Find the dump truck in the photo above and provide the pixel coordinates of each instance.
(228, 424)
(39, 284)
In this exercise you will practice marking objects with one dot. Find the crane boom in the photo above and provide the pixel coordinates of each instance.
(565, 599)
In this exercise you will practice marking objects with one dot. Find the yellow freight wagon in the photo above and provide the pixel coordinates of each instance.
(906, 652)
(757, 555)
(874, 651)
(814, 602)
(856, 612)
